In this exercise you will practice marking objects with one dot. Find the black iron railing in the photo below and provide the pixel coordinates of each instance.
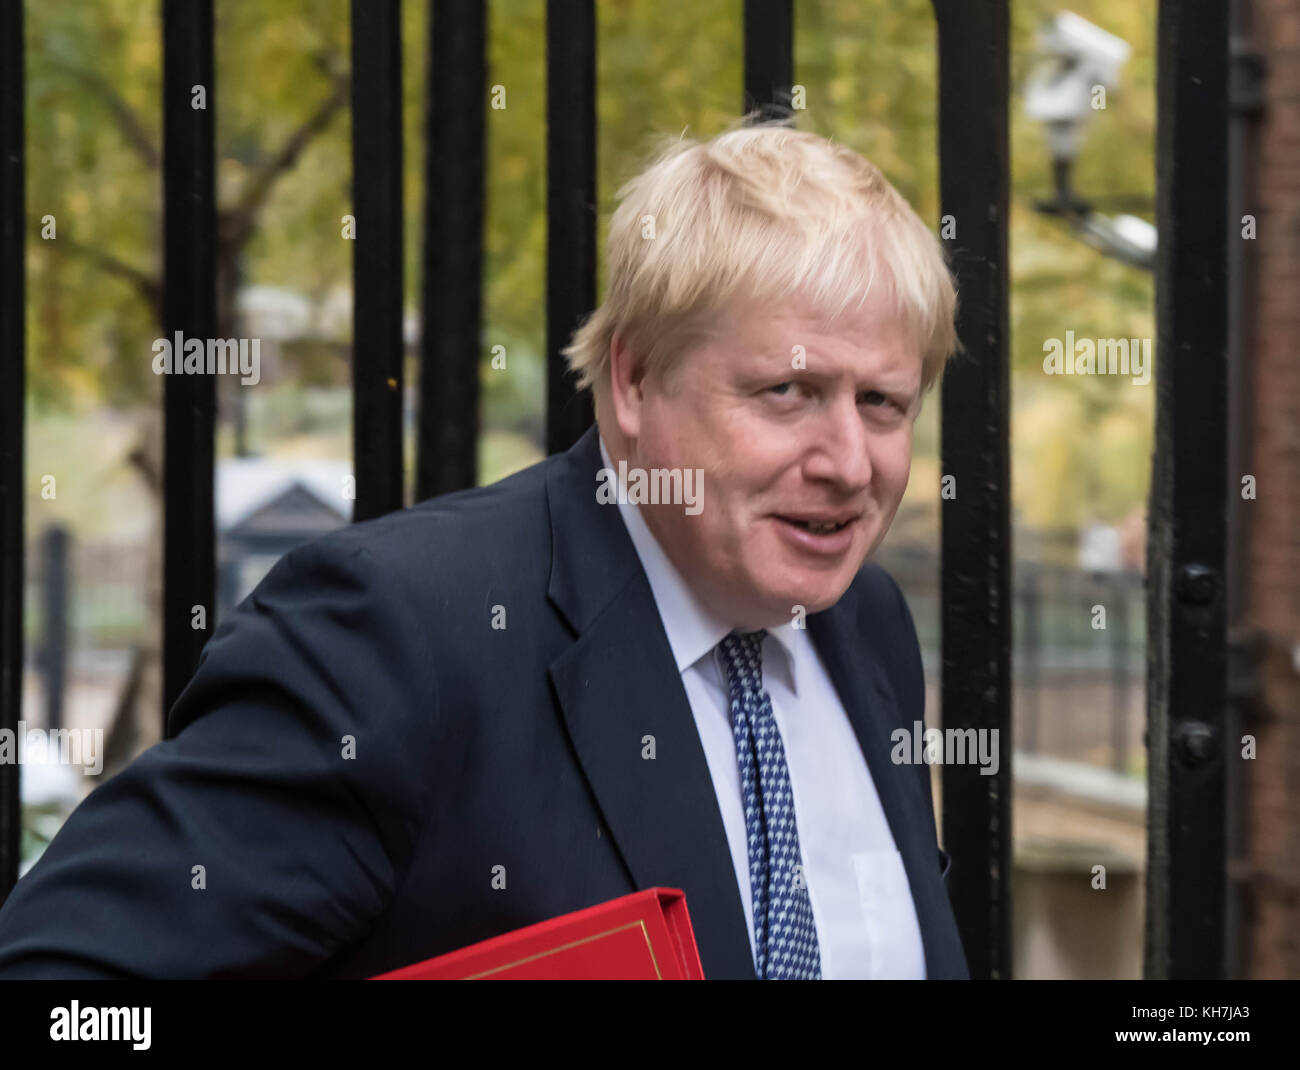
(1185, 604)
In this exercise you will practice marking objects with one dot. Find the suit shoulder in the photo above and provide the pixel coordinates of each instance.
(877, 593)
(886, 621)
(492, 530)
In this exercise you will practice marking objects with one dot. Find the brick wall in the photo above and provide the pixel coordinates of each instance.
(1271, 579)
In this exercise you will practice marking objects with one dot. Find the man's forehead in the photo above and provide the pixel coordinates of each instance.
(782, 337)
(771, 322)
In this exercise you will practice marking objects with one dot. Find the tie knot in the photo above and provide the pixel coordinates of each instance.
(742, 654)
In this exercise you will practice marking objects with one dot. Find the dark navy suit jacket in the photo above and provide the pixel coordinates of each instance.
(482, 756)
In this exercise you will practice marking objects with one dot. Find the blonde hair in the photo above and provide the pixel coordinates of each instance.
(763, 212)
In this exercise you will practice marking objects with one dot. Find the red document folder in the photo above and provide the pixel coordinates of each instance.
(645, 936)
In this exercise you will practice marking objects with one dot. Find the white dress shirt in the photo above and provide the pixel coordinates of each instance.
(862, 902)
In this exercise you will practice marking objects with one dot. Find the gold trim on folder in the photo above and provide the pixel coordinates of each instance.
(575, 943)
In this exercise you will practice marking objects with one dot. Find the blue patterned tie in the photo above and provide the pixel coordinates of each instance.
(785, 938)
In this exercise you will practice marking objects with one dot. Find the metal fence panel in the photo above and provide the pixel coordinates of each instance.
(190, 308)
(570, 207)
(13, 210)
(974, 178)
(1187, 542)
(378, 293)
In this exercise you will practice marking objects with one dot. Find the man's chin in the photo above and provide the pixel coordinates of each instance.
(822, 588)
(823, 601)
(805, 601)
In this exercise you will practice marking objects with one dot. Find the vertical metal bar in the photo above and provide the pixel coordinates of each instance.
(13, 212)
(769, 58)
(451, 296)
(974, 78)
(54, 644)
(570, 207)
(377, 343)
(189, 312)
(1118, 623)
(1187, 552)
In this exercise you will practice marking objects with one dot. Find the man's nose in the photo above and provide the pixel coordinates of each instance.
(842, 447)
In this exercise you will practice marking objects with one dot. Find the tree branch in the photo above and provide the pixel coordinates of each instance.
(239, 219)
(149, 287)
(137, 136)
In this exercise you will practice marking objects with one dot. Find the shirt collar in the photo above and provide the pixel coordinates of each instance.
(693, 629)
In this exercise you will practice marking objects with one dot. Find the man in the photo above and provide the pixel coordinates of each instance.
(656, 659)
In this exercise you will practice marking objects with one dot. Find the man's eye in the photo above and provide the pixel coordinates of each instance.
(873, 397)
(781, 389)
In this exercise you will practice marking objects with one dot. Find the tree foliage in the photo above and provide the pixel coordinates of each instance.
(284, 183)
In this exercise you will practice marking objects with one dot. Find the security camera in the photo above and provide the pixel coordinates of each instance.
(1077, 57)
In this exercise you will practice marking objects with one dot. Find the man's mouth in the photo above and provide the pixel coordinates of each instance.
(820, 525)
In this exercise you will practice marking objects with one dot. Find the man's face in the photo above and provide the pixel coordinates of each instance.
(793, 423)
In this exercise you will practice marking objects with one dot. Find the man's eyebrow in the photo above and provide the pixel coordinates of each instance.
(768, 353)
(768, 357)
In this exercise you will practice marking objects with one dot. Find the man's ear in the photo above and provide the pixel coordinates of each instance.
(626, 385)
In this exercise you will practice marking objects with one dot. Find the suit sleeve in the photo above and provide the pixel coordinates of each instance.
(272, 830)
(910, 685)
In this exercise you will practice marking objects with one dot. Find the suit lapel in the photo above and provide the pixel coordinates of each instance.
(620, 694)
(863, 687)
(622, 699)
